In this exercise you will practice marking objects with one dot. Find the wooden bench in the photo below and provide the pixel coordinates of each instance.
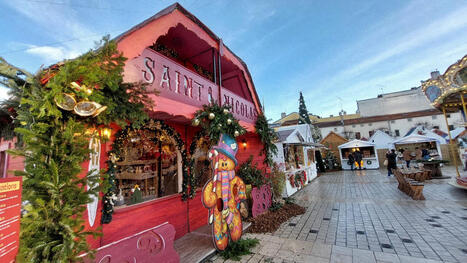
(410, 186)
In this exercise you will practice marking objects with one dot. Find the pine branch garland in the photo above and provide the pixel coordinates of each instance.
(56, 144)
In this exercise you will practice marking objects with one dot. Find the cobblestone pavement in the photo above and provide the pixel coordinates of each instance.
(361, 216)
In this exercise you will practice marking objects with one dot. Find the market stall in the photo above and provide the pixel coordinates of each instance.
(296, 157)
(413, 141)
(367, 150)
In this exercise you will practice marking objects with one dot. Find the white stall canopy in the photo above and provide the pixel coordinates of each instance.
(356, 144)
(418, 139)
(368, 150)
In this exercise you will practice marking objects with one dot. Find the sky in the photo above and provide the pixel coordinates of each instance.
(335, 52)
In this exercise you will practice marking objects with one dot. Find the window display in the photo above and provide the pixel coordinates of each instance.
(294, 156)
(148, 166)
(201, 164)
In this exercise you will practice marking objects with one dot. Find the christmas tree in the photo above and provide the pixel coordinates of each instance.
(304, 118)
(302, 111)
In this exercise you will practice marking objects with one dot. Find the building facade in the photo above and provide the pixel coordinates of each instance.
(395, 113)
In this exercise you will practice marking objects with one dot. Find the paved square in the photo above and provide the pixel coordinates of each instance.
(361, 216)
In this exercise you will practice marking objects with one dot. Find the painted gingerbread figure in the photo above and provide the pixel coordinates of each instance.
(223, 193)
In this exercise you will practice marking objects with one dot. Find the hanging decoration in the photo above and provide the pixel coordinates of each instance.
(224, 215)
(93, 170)
(214, 120)
(267, 136)
(110, 196)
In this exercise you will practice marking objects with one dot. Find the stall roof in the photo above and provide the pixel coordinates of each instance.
(414, 138)
(282, 135)
(356, 143)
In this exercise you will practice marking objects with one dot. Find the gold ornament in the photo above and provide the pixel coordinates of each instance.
(99, 109)
(220, 125)
(68, 102)
(211, 116)
(226, 111)
(85, 108)
(195, 122)
(236, 133)
(229, 121)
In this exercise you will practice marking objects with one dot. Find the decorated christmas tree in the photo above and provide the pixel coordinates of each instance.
(304, 118)
(302, 111)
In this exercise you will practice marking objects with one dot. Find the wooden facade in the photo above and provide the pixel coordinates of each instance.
(331, 141)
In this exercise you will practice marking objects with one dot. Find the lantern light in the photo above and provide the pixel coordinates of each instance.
(244, 144)
(106, 133)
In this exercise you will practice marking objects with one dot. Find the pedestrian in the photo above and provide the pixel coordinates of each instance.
(358, 159)
(425, 154)
(392, 162)
(418, 153)
(407, 157)
(351, 160)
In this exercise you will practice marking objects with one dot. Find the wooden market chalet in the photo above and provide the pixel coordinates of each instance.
(183, 61)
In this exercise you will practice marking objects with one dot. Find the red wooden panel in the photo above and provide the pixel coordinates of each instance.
(198, 214)
(136, 218)
(151, 245)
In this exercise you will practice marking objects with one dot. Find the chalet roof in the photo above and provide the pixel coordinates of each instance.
(176, 6)
(414, 138)
(282, 135)
(331, 133)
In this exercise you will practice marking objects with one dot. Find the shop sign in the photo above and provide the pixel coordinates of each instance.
(10, 210)
(175, 82)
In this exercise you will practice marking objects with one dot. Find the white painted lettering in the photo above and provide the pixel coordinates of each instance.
(148, 74)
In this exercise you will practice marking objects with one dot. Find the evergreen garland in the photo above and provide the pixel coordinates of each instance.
(56, 144)
(215, 120)
(267, 136)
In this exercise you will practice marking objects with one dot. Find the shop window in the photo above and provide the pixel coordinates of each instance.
(294, 156)
(201, 165)
(358, 135)
(397, 132)
(149, 164)
(311, 156)
(409, 119)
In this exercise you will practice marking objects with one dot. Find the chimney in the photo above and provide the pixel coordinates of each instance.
(283, 115)
(435, 74)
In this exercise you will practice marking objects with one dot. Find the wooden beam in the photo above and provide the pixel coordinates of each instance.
(451, 148)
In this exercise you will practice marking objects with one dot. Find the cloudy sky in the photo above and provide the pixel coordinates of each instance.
(335, 52)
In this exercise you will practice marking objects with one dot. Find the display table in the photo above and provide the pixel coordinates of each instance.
(433, 166)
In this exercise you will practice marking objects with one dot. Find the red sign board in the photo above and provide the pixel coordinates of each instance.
(10, 210)
(175, 82)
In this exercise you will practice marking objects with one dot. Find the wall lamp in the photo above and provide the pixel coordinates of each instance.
(244, 144)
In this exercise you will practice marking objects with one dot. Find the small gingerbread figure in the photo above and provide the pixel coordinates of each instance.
(223, 193)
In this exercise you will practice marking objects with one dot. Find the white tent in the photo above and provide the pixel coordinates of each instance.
(415, 138)
(421, 130)
(369, 162)
(381, 140)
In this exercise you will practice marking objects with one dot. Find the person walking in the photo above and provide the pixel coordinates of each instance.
(358, 159)
(392, 162)
(351, 161)
(407, 157)
(418, 153)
